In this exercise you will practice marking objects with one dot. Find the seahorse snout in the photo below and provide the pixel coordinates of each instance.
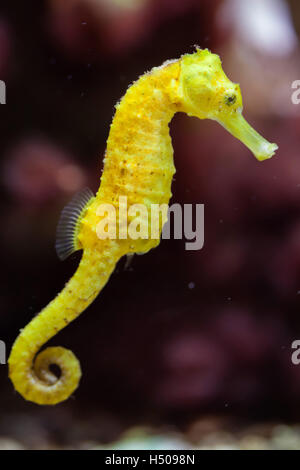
(239, 128)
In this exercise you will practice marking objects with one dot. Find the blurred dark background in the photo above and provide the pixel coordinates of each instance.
(182, 335)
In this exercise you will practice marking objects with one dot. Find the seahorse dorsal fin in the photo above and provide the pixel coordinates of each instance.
(67, 225)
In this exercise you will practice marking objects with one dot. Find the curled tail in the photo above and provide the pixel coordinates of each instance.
(31, 374)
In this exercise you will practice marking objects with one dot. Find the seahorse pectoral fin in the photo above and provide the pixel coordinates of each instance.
(129, 259)
(67, 227)
(239, 128)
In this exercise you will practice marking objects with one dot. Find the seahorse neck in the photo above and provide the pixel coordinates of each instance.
(147, 107)
(139, 154)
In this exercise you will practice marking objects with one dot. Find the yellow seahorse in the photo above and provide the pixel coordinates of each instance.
(138, 164)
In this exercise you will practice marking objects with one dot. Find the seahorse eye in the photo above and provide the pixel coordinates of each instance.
(230, 99)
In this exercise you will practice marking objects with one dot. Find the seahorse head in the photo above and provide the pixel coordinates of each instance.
(207, 93)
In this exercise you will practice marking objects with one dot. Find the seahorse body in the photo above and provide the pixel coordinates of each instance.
(139, 165)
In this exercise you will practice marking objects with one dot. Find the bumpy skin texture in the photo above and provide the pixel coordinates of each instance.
(139, 165)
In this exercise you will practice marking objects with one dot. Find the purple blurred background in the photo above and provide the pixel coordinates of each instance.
(182, 334)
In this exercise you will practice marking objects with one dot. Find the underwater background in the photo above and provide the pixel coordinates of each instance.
(185, 348)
